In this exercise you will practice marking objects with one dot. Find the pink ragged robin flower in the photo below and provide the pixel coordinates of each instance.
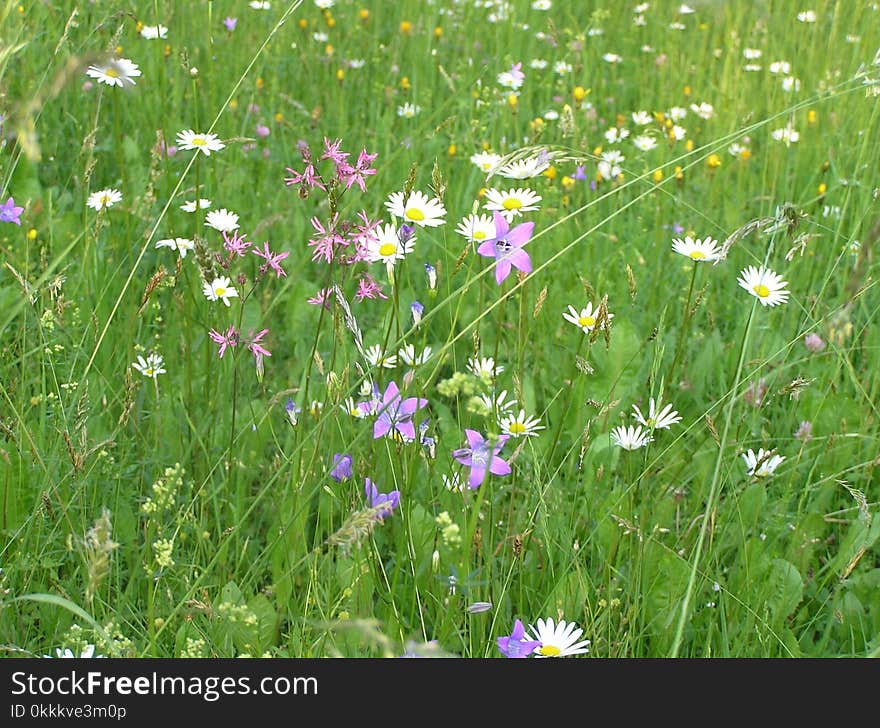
(228, 339)
(272, 260)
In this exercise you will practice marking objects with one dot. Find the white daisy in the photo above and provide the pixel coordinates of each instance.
(486, 161)
(222, 220)
(659, 418)
(385, 245)
(807, 16)
(699, 250)
(644, 142)
(409, 357)
(558, 640)
(87, 652)
(496, 403)
(220, 289)
(763, 463)
(562, 68)
(520, 425)
(764, 285)
(351, 408)
(408, 110)
(152, 366)
(612, 58)
(152, 32)
(260, 4)
(484, 368)
(615, 135)
(539, 64)
(752, 54)
(116, 72)
(630, 438)
(525, 168)
(677, 113)
(790, 83)
(181, 245)
(377, 358)
(783, 67)
(704, 110)
(476, 228)
(641, 118)
(103, 199)
(204, 143)
(511, 203)
(192, 206)
(585, 319)
(417, 209)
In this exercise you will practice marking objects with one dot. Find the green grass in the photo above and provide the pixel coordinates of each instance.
(669, 550)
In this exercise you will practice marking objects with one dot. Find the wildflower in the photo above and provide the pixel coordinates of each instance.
(256, 348)
(396, 414)
(220, 289)
(103, 199)
(777, 67)
(291, 409)
(612, 58)
(512, 79)
(409, 357)
(308, 179)
(807, 16)
(814, 343)
(586, 318)
(154, 32)
(756, 392)
(204, 143)
(804, 431)
(273, 261)
(482, 455)
(225, 340)
(511, 203)
(786, 134)
(790, 83)
(520, 425)
(703, 110)
(492, 403)
(417, 208)
(763, 463)
(10, 213)
(193, 205)
(116, 72)
(515, 644)
(368, 288)
(376, 357)
(333, 152)
(88, 651)
(484, 368)
(260, 4)
(560, 640)
(152, 366)
(236, 245)
(387, 245)
(417, 310)
(353, 409)
(562, 68)
(615, 135)
(657, 419)
(526, 168)
(644, 142)
(408, 110)
(322, 298)
(641, 118)
(349, 175)
(387, 501)
(431, 274)
(506, 248)
(486, 161)
(698, 250)
(630, 438)
(222, 220)
(230, 23)
(341, 467)
(764, 284)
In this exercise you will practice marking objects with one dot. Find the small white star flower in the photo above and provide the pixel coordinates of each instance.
(762, 464)
(152, 366)
(659, 418)
(220, 289)
(377, 358)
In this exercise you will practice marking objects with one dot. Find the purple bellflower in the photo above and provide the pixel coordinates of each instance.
(514, 645)
(506, 248)
(396, 414)
(482, 455)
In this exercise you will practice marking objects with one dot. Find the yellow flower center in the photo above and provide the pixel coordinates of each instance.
(105, 199)
(112, 72)
(479, 235)
(199, 141)
(517, 428)
(219, 291)
(415, 214)
(149, 371)
(761, 290)
(586, 321)
(698, 255)
(512, 203)
(387, 249)
(549, 651)
(650, 422)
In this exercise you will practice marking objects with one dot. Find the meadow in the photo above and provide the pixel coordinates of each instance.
(476, 328)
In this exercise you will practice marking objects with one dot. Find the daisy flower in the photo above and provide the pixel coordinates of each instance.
(764, 285)
(585, 319)
(193, 205)
(703, 110)
(153, 32)
(562, 67)
(351, 408)
(476, 228)
(222, 220)
(701, 251)
(658, 418)
(763, 463)
(630, 438)
(418, 208)
(152, 366)
(385, 245)
(786, 134)
(220, 289)
(496, 403)
(520, 425)
(409, 357)
(484, 368)
(204, 143)
(486, 161)
(525, 168)
(511, 203)
(644, 142)
(377, 358)
(558, 640)
(408, 110)
(103, 199)
(116, 72)
(87, 652)
(641, 118)
(181, 245)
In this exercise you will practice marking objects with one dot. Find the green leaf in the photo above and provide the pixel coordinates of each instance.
(786, 588)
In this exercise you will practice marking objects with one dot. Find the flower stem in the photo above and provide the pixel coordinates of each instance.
(684, 327)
